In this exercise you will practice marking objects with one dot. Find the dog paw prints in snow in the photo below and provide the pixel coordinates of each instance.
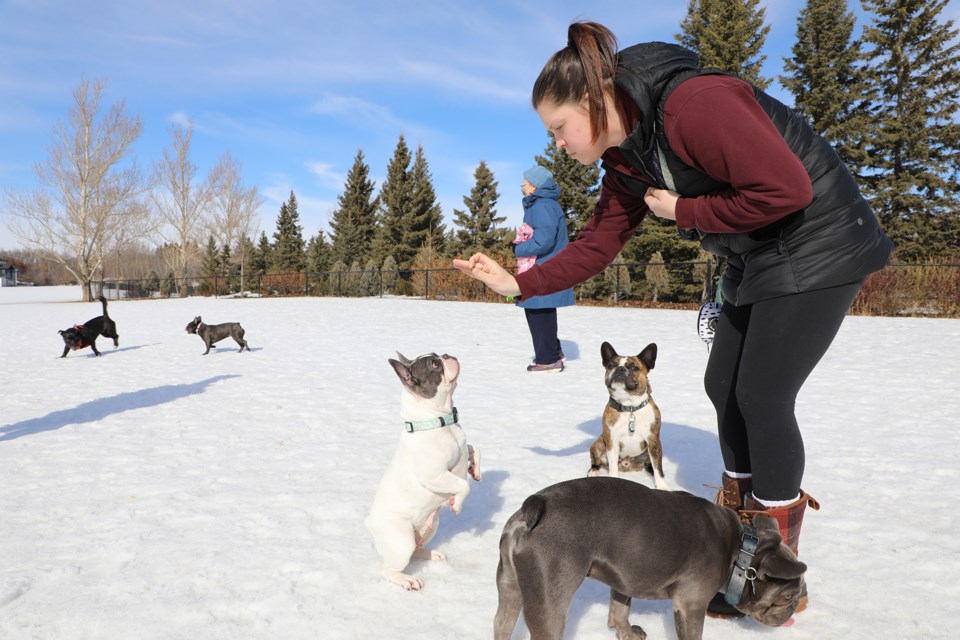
(12, 589)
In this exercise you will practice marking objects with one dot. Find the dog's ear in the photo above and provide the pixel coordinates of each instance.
(649, 355)
(607, 353)
(60, 331)
(197, 320)
(403, 372)
(781, 564)
(404, 359)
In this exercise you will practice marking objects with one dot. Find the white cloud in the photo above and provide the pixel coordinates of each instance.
(357, 111)
(326, 176)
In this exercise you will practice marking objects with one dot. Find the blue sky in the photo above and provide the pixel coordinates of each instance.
(295, 88)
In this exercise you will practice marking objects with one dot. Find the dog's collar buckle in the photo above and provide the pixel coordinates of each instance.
(743, 572)
(434, 423)
(622, 408)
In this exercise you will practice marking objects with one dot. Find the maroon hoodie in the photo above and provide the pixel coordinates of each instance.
(714, 124)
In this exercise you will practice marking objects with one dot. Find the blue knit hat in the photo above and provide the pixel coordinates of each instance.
(537, 175)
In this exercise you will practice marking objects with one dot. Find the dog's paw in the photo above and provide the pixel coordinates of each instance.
(593, 473)
(456, 504)
(429, 554)
(409, 583)
(632, 632)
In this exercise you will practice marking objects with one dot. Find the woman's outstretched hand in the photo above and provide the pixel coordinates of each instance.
(486, 270)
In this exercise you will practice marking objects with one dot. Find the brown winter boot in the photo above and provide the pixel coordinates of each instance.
(789, 518)
(733, 493)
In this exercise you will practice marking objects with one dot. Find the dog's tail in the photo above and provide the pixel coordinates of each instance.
(532, 510)
(104, 302)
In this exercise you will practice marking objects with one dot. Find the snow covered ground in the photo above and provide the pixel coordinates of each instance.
(155, 493)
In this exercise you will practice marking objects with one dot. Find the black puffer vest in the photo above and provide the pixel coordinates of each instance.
(833, 241)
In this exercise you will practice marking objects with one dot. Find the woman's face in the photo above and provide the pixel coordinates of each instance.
(527, 188)
(569, 124)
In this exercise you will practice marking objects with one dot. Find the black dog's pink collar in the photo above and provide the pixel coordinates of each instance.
(83, 344)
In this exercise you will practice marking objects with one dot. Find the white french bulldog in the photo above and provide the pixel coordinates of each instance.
(428, 470)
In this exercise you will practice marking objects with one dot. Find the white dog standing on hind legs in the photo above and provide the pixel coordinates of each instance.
(429, 468)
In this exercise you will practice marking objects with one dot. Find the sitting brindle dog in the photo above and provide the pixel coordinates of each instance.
(85, 335)
(213, 333)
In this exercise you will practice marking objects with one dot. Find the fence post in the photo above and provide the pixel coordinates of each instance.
(426, 284)
(616, 292)
(306, 282)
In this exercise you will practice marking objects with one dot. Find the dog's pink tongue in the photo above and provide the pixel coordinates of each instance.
(789, 623)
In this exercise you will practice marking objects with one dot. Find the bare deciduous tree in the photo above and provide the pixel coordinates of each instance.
(180, 203)
(87, 195)
(234, 209)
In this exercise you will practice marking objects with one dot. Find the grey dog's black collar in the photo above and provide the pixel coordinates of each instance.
(742, 571)
(623, 408)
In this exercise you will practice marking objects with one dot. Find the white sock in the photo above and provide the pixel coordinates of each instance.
(773, 504)
(734, 474)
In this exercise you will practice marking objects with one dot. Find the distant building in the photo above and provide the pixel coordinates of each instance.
(8, 274)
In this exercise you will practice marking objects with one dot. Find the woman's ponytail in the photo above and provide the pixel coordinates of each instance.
(585, 68)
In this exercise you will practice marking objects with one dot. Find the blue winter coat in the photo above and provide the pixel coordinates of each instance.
(542, 212)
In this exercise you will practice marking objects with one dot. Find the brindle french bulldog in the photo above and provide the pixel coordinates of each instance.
(643, 543)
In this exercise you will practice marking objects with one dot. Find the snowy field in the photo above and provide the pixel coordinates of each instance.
(158, 494)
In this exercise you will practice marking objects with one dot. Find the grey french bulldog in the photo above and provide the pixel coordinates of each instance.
(643, 543)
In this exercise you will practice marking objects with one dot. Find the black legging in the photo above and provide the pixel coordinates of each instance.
(761, 356)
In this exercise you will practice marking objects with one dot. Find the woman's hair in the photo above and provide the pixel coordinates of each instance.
(585, 67)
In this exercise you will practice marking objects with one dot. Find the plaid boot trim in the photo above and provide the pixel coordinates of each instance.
(789, 518)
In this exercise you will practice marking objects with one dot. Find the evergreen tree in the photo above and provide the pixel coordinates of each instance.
(336, 277)
(914, 63)
(395, 205)
(425, 222)
(579, 185)
(351, 280)
(246, 252)
(288, 245)
(656, 235)
(389, 273)
(169, 285)
(319, 254)
(229, 269)
(209, 267)
(262, 255)
(370, 279)
(728, 35)
(478, 225)
(825, 78)
(657, 275)
(153, 282)
(354, 222)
